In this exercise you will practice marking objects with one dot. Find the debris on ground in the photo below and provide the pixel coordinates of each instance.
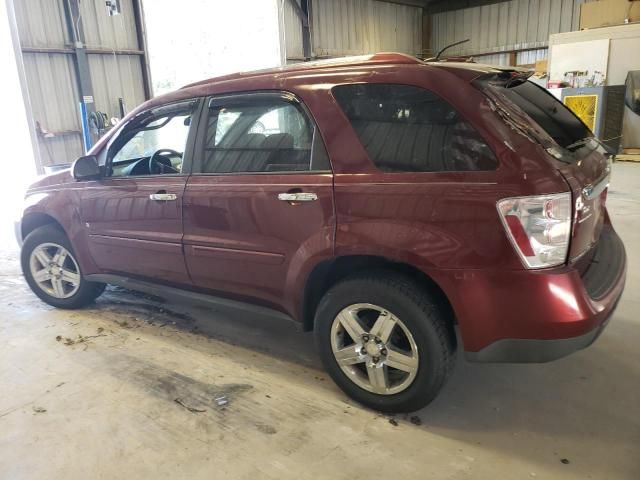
(100, 329)
(565, 461)
(416, 420)
(268, 429)
(123, 323)
(80, 339)
(39, 409)
(191, 409)
(393, 422)
(221, 400)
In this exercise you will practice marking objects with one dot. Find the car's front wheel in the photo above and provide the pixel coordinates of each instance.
(384, 341)
(52, 271)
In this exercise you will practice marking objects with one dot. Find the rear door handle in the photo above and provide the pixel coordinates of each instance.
(163, 197)
(297, 197)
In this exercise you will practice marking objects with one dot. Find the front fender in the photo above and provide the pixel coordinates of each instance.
(62, 207)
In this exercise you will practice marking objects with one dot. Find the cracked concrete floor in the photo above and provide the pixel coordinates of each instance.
(135, 388)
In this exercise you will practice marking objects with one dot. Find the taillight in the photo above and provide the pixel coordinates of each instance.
(539, 227)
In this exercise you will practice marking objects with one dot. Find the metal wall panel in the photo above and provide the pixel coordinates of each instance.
(54, 103)
(60, 150)
(41, 23)
(54, 98)
(292, 32)
(51, 77)
(532, 56)
(493, 59)
(513, 25)
(116, 76)
(103, 31)
(356, 27)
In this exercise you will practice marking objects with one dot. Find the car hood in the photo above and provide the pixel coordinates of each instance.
(57, 178)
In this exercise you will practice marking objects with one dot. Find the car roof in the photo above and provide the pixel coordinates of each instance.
(342, 63)
(383, 58)
(466, 70)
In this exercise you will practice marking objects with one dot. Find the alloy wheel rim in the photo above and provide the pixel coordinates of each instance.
(54, 270)
(374, 349)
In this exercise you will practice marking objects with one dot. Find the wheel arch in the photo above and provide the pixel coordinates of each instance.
(34, 220)
(329, 272)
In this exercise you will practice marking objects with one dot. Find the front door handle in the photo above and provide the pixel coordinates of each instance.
(163, 197)
(297, 197)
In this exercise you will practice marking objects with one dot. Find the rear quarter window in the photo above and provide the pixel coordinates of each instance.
(409, 129)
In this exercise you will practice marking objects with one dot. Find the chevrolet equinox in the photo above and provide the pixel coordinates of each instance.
(398, 208)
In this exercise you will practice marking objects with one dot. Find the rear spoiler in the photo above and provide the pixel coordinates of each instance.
(507, 77)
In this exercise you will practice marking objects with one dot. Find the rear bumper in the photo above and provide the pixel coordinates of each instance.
(538, 316)
(521, 350)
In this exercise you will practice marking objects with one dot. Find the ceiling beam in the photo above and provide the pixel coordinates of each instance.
(438, 6)
(411, 3)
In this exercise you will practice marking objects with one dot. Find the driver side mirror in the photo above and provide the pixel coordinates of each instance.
(86, 168)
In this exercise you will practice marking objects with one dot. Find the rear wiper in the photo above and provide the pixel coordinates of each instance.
(575, 145)
(580, 143)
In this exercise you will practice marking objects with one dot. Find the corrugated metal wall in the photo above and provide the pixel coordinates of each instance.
(493, 59)
(51, 77)
(292, 32)
(355, 27)
(528, 57)
(103, 31)
(513, 25)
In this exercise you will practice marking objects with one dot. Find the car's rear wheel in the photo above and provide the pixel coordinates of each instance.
(52, 271)
(384, 341)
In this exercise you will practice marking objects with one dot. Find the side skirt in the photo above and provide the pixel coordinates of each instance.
(179, 295)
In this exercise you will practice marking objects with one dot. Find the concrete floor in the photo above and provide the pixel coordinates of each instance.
(105, 407)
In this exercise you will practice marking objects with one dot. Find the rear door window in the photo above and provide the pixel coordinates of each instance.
(261, 135)
(409, 129)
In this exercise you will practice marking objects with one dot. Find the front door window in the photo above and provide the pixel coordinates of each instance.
(154, 144)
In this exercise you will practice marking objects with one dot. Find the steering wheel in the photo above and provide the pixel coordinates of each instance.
(159, 164)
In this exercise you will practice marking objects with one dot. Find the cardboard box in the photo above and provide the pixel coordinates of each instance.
(606, 13)
(541, 66)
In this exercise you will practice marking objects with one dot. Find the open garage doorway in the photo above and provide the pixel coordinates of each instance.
(17, 152)
(198, 39)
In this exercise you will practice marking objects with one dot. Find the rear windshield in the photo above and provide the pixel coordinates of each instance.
(544, 109)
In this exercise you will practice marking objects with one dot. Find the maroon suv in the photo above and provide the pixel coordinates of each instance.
(381, 201)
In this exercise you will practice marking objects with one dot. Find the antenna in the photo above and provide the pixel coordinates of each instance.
(442, 50)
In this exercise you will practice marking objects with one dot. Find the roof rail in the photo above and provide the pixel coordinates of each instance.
(393, 57)
(382, 58)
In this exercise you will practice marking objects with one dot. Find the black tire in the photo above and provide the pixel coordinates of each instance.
(423, 317)
(87, 291)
